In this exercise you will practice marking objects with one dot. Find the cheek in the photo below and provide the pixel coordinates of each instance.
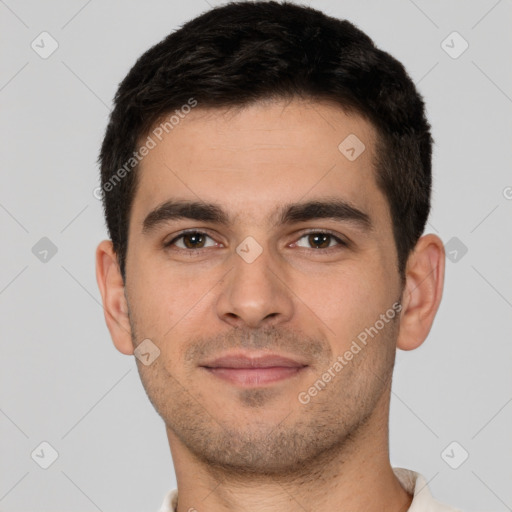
(169, 305)
(348, 300)
(155, 304)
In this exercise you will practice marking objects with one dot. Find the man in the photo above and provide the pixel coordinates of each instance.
(266, 179)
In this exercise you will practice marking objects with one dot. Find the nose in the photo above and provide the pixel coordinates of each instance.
(254, 293)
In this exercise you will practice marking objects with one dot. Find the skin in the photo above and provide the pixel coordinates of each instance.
(258, 448)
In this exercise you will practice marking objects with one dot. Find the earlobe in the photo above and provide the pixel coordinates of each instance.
(115, 306)
(423, 291)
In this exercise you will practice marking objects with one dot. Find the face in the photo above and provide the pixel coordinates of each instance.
(271, 285)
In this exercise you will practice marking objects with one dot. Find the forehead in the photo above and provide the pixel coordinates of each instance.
(255, 158)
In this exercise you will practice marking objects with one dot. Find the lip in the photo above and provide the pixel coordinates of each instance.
(253, 369)
(253, 360)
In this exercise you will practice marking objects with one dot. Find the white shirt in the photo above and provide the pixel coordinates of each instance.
(412, 482)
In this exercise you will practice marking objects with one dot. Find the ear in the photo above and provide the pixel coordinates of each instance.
(112, 290)
(423, 291)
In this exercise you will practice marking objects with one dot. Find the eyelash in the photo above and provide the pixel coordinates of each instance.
(193, 252)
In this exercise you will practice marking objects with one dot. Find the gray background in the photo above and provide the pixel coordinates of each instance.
(63, 382)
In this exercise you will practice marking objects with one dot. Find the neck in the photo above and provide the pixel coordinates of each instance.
(356, 477)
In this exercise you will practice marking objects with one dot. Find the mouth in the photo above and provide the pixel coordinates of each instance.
(254, 369)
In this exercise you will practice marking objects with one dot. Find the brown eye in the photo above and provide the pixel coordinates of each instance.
(190, 240)
(321, 240)
(193, 240)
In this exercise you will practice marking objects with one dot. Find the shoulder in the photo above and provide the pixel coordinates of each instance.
(423, 501)
(170, 502)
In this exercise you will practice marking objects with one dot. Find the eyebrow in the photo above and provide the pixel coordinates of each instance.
(335, 209)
